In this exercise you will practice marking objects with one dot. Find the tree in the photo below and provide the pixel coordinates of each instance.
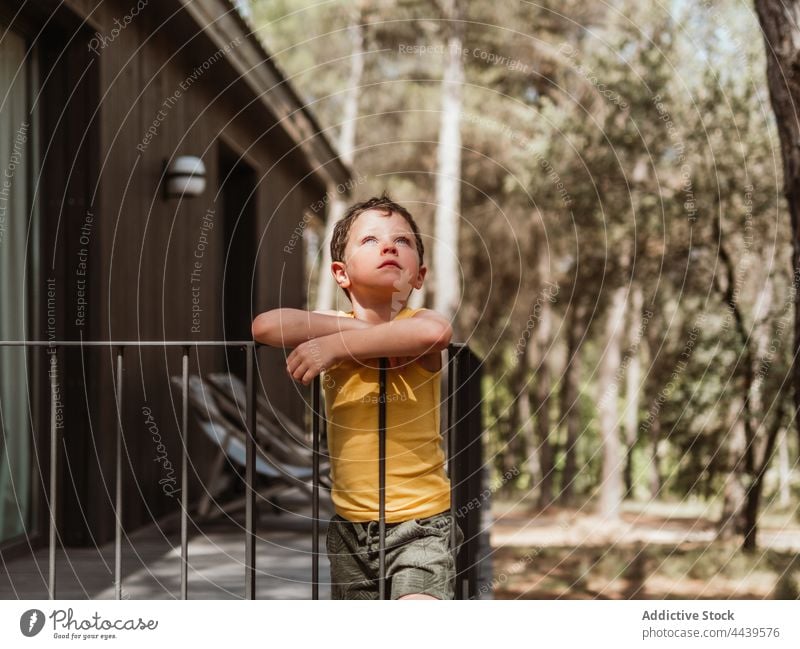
(347, 143)
(448, 167)
(778, 19)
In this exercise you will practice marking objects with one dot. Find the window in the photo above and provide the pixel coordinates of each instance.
(17, 238)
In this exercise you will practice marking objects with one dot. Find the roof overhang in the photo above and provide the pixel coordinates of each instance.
(223, 24)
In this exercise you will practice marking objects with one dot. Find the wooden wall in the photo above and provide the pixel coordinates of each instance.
(142, 248)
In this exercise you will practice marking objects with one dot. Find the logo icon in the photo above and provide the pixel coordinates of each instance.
(31, 622)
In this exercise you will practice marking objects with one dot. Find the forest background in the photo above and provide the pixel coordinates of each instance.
(600, 187)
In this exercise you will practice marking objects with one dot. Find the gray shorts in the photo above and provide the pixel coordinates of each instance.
(419, 558)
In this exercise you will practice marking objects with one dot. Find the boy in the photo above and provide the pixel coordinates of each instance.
(377, 255)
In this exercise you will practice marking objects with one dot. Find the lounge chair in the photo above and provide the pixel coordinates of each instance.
(231, 440)
(273, 427)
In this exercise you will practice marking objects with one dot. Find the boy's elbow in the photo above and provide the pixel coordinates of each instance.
(263, 330)
(257, 328)
(441, 333)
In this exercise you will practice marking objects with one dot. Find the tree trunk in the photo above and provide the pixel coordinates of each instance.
(448, 173)
(753, 497)
(655, 462)
(734, 491)
(611, 488)
(632, 378)
(736, 514)
(784, 470)
(570, 408)
(779, 22)
(539, 361)
(652, 428)
(756, 486)
(541, 406)
(517, 452)
(528, 432)
(326, 290)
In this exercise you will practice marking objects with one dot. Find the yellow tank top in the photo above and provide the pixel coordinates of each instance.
(416, 483)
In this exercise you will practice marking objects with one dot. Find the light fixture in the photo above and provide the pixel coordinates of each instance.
(185, 177)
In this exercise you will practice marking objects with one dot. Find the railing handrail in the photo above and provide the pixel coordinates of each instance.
(128, 343)
(151, 342)
(251, 347)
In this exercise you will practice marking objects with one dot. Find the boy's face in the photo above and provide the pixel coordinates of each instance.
(380, 257)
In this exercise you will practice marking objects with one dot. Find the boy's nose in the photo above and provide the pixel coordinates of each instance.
(389, 246)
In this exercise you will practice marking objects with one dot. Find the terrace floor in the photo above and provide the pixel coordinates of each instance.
(151, 562)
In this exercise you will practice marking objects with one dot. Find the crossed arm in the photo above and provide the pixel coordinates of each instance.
(321, 340)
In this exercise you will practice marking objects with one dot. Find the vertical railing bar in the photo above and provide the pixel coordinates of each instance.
(315, 414)
(452, 414)
(185, 473)
(451, 361)
(453, 451)
(323, 435)
(118, 487)
(250, 548)
(51, 584)
(382, 479)
(250, 466)
(468, 469)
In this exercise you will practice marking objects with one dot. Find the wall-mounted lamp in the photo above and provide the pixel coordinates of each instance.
(185, 177)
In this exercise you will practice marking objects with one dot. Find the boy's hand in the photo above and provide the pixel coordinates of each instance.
(310, 358)
(399, 361)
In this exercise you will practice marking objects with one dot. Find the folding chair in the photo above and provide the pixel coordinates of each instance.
(274, 430)
(231, 440)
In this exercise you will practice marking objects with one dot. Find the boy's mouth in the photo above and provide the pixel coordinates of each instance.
(389, 262)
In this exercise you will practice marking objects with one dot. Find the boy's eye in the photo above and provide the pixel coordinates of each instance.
(370, 238)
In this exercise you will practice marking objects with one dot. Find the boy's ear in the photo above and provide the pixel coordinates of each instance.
(339, 270)
(420, 277)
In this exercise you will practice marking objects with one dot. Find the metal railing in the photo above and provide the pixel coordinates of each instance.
(462, 429)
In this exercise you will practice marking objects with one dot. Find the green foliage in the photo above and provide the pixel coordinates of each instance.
(630, 145)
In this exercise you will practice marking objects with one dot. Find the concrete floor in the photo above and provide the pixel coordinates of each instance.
(151, 562)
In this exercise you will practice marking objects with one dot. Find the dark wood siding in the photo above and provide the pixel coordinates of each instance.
(142, 247)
